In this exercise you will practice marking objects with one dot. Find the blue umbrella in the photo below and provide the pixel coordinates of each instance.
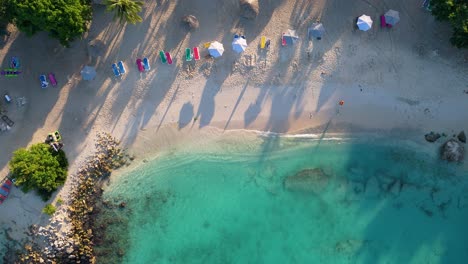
(88, 73)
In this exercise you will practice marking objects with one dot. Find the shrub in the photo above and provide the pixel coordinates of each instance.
(49, 209)
(455, 12)
(40, 168)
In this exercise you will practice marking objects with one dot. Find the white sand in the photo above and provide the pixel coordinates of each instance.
(411, 79)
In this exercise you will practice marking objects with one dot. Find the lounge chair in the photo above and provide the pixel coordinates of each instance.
(188, 54)
(57, 135)
(121, 67)
(162, 55)
(115, 70)
(262, 42)
(6, 186)
(207, 45)
(283, 40)
(2, 198)
(43, 80)
(139, 64)
(383, 23)
(4, 192)
(7, 98)
(196, 53)
(8, 121)
(15, 62)
(146, 64)
(236, 36)
(52, 79)
(169, 58)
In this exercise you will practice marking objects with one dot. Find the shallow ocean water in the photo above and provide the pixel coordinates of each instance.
(383, 201)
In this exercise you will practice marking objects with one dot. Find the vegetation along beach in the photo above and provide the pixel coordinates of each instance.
(236, 131)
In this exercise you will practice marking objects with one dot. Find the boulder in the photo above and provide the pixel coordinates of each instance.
(461, 136)
(452, 150)
(308, 180)
(432, 137)
(191, 22)
(249, 8)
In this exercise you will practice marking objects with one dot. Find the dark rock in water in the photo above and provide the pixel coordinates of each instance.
(308, 180)
(249, 8)
(191, 22)
(432, 137)
(452, 150)
(123, 204)
(462, 137)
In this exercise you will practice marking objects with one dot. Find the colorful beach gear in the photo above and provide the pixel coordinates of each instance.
(15, 62)
(43, 80)
(146, 64)
(115, 70)
(52, 79)
(121, 67)
(188, 54)
(162, 56)
(196, 53)
(139, 64)
(169, 58)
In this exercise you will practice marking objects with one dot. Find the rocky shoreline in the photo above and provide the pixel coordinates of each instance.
(77, 246)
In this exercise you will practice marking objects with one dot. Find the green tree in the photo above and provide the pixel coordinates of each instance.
(125, 10)
(40, 168)
(456, 12)
(63, 19)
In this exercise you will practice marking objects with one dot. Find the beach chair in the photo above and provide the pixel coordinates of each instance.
(115, 70)
(207, 45)
(6, 186)
(262, 42)
(162, 55)
(236, 36)
(52, 79)
(188, 54)
(7, 98)
(8, 121)
(8, 182)
(57, 136)
(15, 62)
(4, 192)
(146, 64)
(196, 53)
(169, 58)
(43, 80)
(139, 64)
(283, 41)
(121, 67)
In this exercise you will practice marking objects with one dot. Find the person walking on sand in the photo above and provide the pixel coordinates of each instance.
(340, 104)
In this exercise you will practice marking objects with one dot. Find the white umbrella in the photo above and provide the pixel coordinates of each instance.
(392, 17)
(216, 49)
(239, 45)
(364, 23)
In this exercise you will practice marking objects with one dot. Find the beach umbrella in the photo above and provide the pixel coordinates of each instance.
(290, 37)
(88, 73)
(364, 22)
(239, 45)
(216, 49)
(392, 17)
(316, 30)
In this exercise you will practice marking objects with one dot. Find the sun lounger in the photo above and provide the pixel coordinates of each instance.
(9, 183)
(57, 136)
(4, 192)
(146, 64)
(6, 186)
(8, 121)
(2, 198)
(207, 45)
(121, 67)
(262, 42)
(196, 53)
(10, 72)
(7, 98)
(43, 80)
(169, 58)
(188, 54)
(283, 40)
(162, 55)
(236, 36)
(52, 79)
(115, 70)
(15, 62)
(139, 64)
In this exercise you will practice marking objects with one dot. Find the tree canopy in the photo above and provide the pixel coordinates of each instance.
(125, 10)
(40, 168)
(63, 19)
(456, 12)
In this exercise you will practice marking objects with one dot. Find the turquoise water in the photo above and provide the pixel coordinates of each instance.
(227, 203)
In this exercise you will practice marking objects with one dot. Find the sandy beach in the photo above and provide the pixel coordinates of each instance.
(407, 78)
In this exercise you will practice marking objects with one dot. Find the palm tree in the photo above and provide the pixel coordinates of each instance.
(125, 10)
